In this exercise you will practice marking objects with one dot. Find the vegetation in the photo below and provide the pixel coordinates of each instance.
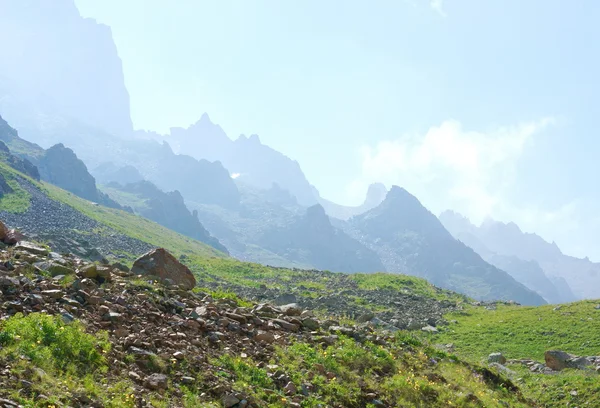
(405, 284)
(18, 200)
(125, 198)
(135, 226)
(526, 333)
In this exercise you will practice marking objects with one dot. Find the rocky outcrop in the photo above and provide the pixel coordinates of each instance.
(61, 167)
(160, 264)
(17, 163)
(409, 239)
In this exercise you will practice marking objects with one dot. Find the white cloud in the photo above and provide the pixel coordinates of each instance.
(450, 167)
(438, 7)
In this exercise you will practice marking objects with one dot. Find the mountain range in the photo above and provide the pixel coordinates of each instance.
(538, 264)
(240, 196)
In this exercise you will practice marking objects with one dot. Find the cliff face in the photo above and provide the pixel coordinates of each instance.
(68, 62)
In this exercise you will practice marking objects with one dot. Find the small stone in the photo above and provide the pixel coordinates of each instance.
(156, 382)
(230, 400)
(267, 337)
(188, 380)
(290, 389)
(429, 329)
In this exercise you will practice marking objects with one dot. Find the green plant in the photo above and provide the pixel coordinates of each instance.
(50, 343)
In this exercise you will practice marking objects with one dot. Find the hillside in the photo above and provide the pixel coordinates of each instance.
(523, 335)
(57, 165)
(409, 239)
(73, 224)
(126, 342)
(167, 209)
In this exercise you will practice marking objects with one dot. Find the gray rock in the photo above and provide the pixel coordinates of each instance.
(230, 400)
(496, 358)
(156, 382)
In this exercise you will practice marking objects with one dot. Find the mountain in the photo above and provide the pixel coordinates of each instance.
(61, 59)
(528, 272)
(311, 239)
(375, 196)
(167, 209)
(57, 165)
(251, 161)
(110, 172)
(507, 240)
(409, 239)
(69, 60)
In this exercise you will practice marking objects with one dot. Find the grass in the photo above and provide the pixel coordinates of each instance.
(19, 200)
(526, 333)
(125, 198)
(135, 226)
(51, 344)
(405, 284)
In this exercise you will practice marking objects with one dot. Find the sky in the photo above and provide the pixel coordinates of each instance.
(489, 108)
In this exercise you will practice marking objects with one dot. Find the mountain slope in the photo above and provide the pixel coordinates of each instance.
(529, 273)
(409, 239)
(508, 241)
(58, 165)
(72, 224)
(167, 209)
(312, 240)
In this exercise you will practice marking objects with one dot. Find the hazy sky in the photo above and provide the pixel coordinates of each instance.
(486, 107)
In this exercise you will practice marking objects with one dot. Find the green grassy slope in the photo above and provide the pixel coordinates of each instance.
(121, 221)
(134, 226)
(124, 198)
(526, 333)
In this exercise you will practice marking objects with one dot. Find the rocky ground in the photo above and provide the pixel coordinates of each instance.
(176, 347)
(394, 310)
(67, 230)
(149, 323)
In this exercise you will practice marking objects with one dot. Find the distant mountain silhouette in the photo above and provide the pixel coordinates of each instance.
(251, 161)
(410, 239)
(528, 254)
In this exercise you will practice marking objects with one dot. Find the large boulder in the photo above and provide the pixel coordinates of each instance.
(557, 360)
(160, 264)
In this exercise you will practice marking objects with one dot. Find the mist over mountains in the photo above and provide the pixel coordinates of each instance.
(64, 90)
